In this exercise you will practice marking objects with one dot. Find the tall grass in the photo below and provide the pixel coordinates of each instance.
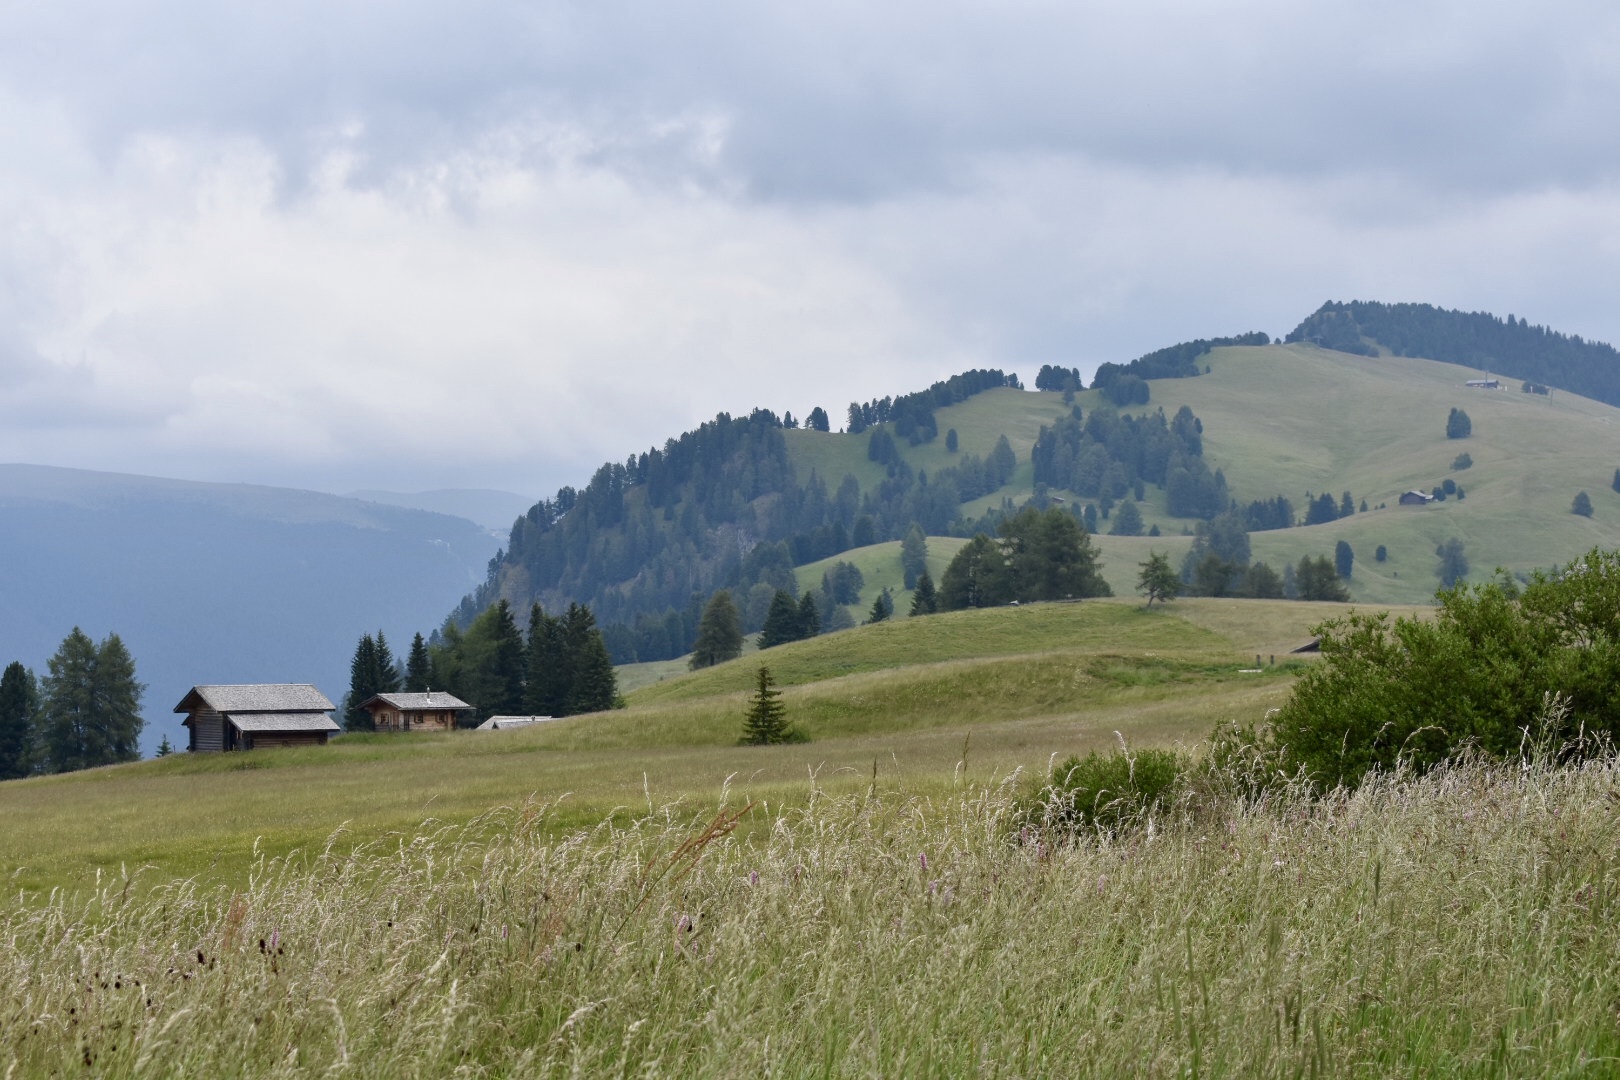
(1459, 924)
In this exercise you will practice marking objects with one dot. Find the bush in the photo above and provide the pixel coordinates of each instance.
(1462, 461)
(1480, 674)
(1109, 791)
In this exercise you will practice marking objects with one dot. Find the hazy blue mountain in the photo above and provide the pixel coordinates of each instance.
(220, 583)
(494, 510)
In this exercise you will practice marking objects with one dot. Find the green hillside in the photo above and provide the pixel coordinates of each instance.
(1003, 689)
(1296, 419)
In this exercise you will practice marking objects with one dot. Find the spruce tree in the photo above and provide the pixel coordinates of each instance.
(362, 685)
(1582, 504)
(90, 704)
(19, 715)
(1344, 559)
(913, 554)
(418, 668)
(781, 622)
(592, 684)
(924, 601)
(508, 664)
(545, 690)
(766, 720)
(720, 636)
(809, 616)
(118, 702)
(882, 608)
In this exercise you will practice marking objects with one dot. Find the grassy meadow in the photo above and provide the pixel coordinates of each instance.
(1462, 924)
(1002, 690)
(632, 893)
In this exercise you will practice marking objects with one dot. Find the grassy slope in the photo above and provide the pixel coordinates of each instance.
(1005, 688)
(1295, 419)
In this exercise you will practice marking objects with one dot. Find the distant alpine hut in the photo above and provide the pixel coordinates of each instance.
(1484, 384)
(1416, 498)
(433, 710)
(505, 723)
(255, 716)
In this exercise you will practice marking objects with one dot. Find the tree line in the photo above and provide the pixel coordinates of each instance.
(1512, 347)
(85, 711)
(560, 667)
(1108, 455)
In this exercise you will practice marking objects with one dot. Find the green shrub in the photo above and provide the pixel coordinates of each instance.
(1108, 791)
(1477, 675)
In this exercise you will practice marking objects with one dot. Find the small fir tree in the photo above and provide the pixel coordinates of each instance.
(1458, 426)
(766, 720)
(924, 601)
(1582, 504)
(809, 616)
(913, 554)
(165, 748)
(882, 608)
(1381, 554)
(1344, 559)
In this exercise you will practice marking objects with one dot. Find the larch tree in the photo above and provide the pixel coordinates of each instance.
(1158, 579)
(90, 704)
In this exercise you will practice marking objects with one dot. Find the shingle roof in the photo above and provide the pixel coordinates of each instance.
(496, 723)
(433, 699)
(270, 721)
(256, 697)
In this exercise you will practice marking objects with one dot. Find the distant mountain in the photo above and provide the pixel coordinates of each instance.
(1476, 339)
(219, 583)
(494, 510)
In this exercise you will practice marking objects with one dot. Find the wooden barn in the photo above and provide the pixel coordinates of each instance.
(251, 716)
(434, 710)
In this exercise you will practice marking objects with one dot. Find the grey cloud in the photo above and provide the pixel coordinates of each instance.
(849, 102)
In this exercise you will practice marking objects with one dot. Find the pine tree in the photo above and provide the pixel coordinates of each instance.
(90, 704)
(809, 616)
(418, 668)
(1453, 564)
(118, 702)
(913, 554)
(924, 601)
(508, 664)
(387, 675)
(1344, 559)
(1128, 522)
(720, 636)
(1582, 504)
(766, 720)
(882, 608)
(1158, 580)
(1458, 426)
(165, 748)
(545, 687)
(1347, 505)
(19, 716)
(781, 621)
(362, 685)
(593, 685)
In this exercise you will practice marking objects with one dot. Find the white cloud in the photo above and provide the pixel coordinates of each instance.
(498, 244)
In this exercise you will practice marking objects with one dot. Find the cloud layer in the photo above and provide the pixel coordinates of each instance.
(341, 245)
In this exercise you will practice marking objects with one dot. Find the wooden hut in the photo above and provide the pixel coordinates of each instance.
(434, 710)
(249, 716)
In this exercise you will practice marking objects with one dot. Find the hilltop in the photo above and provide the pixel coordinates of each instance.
(759, 503)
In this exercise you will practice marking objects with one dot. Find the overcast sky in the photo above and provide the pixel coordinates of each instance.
(494, 244)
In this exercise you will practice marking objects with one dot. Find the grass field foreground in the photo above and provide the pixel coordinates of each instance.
(1462, 924)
